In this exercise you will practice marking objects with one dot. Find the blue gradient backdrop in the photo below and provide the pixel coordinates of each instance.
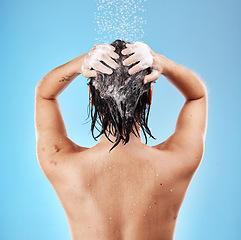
(37, 36)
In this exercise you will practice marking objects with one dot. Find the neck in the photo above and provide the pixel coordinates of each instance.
(132, 139)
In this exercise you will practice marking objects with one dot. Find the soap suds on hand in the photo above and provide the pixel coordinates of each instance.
(96, 56)
(143, 53)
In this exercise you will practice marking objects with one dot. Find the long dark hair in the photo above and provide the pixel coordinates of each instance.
(120, 101)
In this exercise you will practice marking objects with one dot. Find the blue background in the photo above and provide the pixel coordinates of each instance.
(37, 36)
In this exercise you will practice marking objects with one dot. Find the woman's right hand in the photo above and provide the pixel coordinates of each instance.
(91, 61)
(147, 58)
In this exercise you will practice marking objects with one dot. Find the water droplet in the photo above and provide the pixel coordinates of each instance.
(171, 190)
(119, 19)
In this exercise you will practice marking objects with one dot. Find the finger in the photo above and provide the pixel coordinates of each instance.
(153, 76)
(109, 61)
(113, 54)
(110, 46)
(130, 60)
(108, 52)
(106, 46)
(106, 49)
(130, 49)
(135, 69)
(102, 68)
(91, 73)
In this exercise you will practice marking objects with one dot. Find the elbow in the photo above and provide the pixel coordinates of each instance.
(37, 88)
(201, 86)
(38, 92)
(205, 90)
(42, 94)
(201, 92)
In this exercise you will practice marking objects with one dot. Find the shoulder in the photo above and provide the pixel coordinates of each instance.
(55, 158)
(186, 159)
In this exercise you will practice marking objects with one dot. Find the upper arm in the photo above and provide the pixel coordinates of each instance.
(189, 136)
(51, 135)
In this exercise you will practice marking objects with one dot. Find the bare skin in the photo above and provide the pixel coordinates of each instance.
(135, 191)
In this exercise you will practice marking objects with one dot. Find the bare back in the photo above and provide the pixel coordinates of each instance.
(130, 193)
(135, 191)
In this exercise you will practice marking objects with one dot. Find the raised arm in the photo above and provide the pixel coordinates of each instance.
(191, 124)
(188, 138)
(51, 134)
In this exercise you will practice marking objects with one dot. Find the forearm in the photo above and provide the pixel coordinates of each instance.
(186, 81)
(54, 82)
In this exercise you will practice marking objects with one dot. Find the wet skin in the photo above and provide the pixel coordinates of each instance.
(133, 192)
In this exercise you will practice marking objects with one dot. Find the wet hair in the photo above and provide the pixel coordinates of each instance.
(120, 101)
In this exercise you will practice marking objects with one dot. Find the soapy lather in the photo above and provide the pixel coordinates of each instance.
(100, 52)
(117, 90)
(140, 53)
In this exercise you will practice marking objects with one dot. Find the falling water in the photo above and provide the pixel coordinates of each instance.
(120, 19)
